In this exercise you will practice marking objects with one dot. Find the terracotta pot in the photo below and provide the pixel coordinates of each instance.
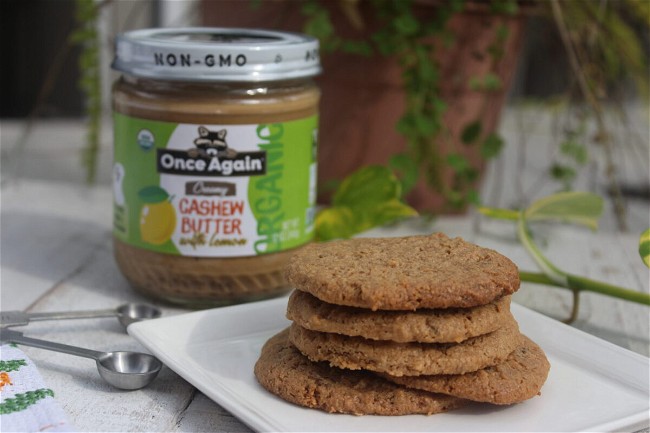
(363, 97)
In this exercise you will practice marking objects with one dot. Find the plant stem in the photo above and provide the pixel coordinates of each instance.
(555, 276)
(579, 284)
(558, 277)
(574, 308)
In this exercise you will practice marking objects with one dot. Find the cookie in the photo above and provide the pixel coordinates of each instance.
(520, 377)
(285, 372)
(407, 359)
(424, 325)
(404, 273)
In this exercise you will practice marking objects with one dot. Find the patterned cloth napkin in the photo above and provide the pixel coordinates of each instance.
(26, 404)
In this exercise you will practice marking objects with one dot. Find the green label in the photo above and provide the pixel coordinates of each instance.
(214, 190)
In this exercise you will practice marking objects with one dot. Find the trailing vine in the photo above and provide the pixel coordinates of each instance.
(86, 36)
(412, 41)
(603, 51)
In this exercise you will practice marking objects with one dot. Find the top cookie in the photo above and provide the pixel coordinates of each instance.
(404, 273)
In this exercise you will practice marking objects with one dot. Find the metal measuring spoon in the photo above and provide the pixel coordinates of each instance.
(126, 314)
(121, 369)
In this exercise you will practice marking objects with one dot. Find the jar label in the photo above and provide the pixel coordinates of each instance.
(214, 190)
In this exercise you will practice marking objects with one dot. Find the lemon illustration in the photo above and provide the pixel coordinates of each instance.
(157, 216)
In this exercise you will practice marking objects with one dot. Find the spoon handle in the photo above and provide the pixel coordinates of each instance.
(82, 314)
(10, 336)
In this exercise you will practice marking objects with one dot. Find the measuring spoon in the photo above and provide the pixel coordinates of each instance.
(126, 314)
(121, 369)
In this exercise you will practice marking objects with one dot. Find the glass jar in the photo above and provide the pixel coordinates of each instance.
(214, 179)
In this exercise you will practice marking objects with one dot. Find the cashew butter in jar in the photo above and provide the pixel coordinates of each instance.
(214, 176)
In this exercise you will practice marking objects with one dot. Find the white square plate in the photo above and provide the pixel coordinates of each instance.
(593, 385)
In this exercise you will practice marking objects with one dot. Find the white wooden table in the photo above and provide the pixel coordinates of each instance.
(57, 255)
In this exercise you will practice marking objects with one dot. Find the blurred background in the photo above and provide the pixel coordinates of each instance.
(522, 98)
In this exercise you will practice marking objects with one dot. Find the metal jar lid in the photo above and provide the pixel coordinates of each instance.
(216, 54)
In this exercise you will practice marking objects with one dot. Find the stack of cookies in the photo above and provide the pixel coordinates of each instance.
(396, 326)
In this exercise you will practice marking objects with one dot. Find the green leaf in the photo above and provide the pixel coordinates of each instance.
(471, 132)
(406, 24)
(427, 69)
(458, 163)
(153, 194)
(505, 7)
(574, 150)
(384, 43)
(368, 198)
(343, 221)
(573, 207)
(368, 185)
(425, 125)
(492, 83)
(319, 24)
(489, 83)
(563, 173)
(406, 125)
(492, 146)
(644, 247)
(473, 197)
(334, 223)
(406, 169)
(387, 212)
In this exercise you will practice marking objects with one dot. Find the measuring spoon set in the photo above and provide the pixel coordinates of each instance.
(122, 369)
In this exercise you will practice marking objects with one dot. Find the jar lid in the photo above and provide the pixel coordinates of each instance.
(216, 54)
